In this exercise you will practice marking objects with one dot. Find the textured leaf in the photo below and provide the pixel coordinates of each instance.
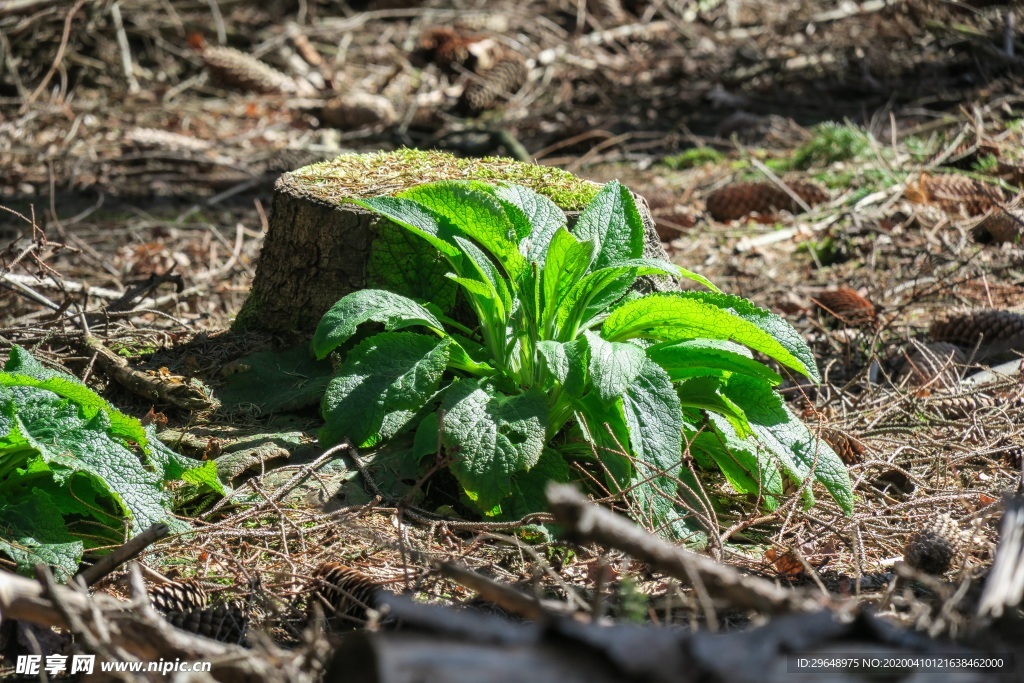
(593, 296)
(276, 381)
(33, 531)
(175, 466)
(494, 436)
(500, 298)
(475, 214)
(63, 436)
(739, 461)
(714, 357)
(555, 359)
(789, 440)
(543, 219)
(613, 220)
(678, 316)
(604, 427)
(707, 393)
(654, 419)
(426, 440)
(22, 369)
(408, 214)
(653, 416)
(528, 487)
(403, 262)
(567, 362)
(591, 299)
(613, 365)
(388, 372)
(568, 260)
(393, 311)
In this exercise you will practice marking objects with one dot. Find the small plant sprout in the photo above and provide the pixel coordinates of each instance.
(566, 361)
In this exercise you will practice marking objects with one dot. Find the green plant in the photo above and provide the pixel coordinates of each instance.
(691, 158)
(74, 472)
(567, 353)
(986, 163)
(831, 142)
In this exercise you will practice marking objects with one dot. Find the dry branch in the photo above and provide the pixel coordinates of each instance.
(585, 521)
(136, 630)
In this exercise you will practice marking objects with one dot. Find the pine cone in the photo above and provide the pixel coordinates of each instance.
(357, 109)
(955, 194)
(934, 363)
(446, 48)
(985, 326)
(737, 200)
(232, 68)
(508, 75)
(1000, 226)
(660, 200)
(227, 623)
(849, 448)
(344, 593)
(935, 547)
(959, 407)
(846, 306)
(178, 596)
(1013, 456)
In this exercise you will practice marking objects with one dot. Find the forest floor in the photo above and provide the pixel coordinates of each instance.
(899, 125)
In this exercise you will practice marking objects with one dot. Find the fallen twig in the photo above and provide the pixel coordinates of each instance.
(124, 553)
(585, 521)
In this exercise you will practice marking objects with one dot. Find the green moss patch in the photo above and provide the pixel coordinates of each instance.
(386, 173)
(691, 158)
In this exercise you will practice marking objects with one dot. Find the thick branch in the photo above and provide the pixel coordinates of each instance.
(587, 522)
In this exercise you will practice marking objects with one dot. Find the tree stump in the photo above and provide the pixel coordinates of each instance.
(318, 248)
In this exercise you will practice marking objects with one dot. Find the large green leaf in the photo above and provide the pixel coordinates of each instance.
(33, 531)
(401, 261)
(678, 316)
(613, 366)
(493, 436)
(22, 369)
(67, 440)
(604, 428)
(739, 461)
(543, 218)
(612, 219)
(391, 371)
(567, 362)
(411, 215)
(528, 488)
(392, 310)
(707, 393)
(715, 357)
(593, 296)
(798, 450)
(568, 259)
(493, 308)
(281, 380)
(653, 416)
(475, 214)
